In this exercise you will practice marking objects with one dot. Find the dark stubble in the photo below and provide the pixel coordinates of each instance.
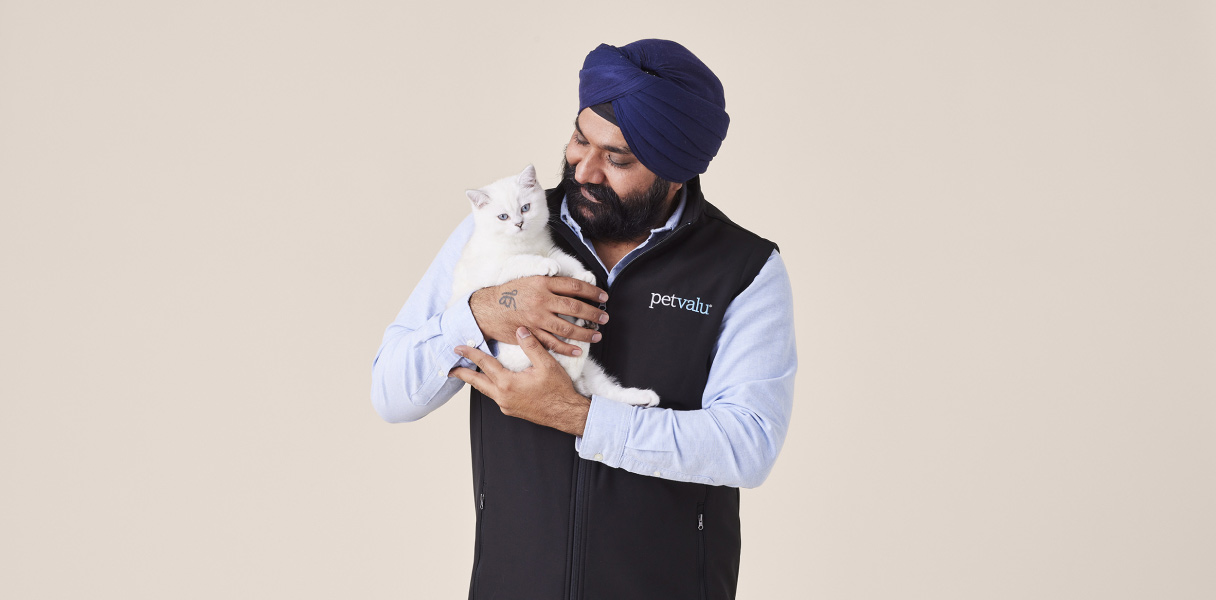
(615, 219)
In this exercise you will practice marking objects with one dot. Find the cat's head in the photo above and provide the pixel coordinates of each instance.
(512, 206)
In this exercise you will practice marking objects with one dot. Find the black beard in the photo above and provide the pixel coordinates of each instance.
(615, 219)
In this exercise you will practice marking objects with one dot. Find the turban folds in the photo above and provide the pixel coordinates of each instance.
(668, 104)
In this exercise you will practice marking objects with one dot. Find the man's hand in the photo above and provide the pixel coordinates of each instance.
(534, 302)
(542, 393)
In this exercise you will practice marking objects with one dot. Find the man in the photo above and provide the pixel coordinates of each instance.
(587, 498)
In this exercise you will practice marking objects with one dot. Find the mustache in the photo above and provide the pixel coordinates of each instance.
(600, 192)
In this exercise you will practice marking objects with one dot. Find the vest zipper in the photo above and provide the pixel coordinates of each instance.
(652, 248)
(579, 512)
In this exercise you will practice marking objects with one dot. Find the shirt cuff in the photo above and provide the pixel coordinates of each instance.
(606, 431)
(459, 328)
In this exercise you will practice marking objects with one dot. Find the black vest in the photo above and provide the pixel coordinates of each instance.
(552, 526)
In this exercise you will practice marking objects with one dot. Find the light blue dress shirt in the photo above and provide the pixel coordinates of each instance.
(733, 440)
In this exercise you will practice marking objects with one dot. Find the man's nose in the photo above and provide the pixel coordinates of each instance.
(587, 171)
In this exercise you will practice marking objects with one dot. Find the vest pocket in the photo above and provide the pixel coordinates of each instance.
(481, 505)
(701, 574)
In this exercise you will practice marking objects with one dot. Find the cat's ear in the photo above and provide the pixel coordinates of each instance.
(477, 197)
(527, 178)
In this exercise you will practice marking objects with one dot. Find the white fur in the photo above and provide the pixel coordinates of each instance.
(502, 250)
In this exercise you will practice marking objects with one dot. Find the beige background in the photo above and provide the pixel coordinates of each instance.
(999, 218)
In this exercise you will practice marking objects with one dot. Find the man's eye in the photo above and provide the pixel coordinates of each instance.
(525, 207)
(580, 141)
(502, 217)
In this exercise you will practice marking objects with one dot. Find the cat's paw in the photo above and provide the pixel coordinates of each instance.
(586, 276)
(638, 397)
(550, 267)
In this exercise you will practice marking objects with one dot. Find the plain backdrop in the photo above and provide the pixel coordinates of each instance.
(999, 219)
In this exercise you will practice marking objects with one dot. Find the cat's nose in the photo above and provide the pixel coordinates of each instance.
(520, 224)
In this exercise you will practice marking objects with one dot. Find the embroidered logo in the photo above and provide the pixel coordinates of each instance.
(677, 302)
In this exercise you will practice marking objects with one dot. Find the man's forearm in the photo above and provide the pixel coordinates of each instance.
(570, 414)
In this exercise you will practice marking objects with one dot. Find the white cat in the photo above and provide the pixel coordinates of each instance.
(511, 240)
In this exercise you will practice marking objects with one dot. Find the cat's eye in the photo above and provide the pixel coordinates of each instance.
(524, 208)
(503, 217)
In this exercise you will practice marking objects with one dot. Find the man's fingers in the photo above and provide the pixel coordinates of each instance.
(536, 351)
(569, 286)
(565, 305)
(561, 327)
(478, 380)
(485, 362)
(551, 342)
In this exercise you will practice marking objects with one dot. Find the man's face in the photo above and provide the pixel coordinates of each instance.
(617, 198)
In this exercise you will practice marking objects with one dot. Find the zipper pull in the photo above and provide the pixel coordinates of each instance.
(700, 522)
(481, 502)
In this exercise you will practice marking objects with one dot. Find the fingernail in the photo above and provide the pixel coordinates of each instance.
(459, 350)
(603, 297)
(523, 332)
(578, 352)
(604, 318)
(597, 337)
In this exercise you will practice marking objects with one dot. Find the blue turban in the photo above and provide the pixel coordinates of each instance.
(668, 104)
